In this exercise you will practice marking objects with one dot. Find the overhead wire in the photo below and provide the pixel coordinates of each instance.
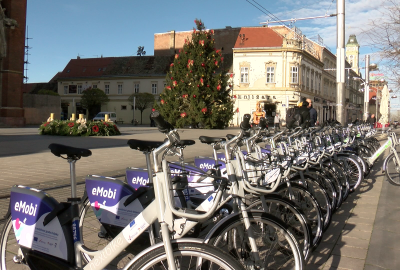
(270, 13)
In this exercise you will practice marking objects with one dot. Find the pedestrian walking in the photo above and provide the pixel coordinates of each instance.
(313, 113)
(305, 114)
(371, 120)
(277, 121)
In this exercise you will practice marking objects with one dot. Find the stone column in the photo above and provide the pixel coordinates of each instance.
(12, 65)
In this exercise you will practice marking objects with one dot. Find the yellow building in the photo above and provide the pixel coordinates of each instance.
(118, 77)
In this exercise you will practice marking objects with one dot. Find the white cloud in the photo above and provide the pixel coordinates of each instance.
(359, 14)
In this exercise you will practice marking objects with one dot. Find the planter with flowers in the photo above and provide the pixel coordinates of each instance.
(78, 128)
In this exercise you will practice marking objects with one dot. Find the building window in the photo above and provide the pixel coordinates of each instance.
(294, 74)
(303, 75)
(119, 89)
(123, 107)
(312, 80)
(94, 86)
(319, 83)
(270, 74)
(136, 87)
(80, 89)
(154, 88)
(107, 89)
(65, 89)
(244, 75)
(308, 78)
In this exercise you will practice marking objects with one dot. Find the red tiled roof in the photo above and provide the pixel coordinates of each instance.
(116, 66)
(250, 37)
(28, 87)
(86, 67)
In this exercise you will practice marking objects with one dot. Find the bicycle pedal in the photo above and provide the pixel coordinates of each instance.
(17, 259)
(102, 234)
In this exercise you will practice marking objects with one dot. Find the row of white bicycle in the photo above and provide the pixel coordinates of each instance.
(262, 202)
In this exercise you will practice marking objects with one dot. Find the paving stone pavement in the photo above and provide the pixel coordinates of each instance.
(363, 233)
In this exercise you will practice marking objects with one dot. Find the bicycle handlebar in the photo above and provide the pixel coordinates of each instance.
(245, 125)
(163, 126)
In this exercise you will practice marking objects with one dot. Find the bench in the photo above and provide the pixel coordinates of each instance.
(119, 121)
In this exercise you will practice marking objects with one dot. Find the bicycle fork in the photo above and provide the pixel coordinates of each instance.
(241, 207)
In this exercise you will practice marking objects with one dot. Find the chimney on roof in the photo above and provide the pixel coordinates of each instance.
(228, 27)
(78, 57)
(172, 42)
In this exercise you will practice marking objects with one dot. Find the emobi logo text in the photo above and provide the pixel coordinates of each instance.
(100, 191)
(25, 208)
(207, 166)
(140, 180)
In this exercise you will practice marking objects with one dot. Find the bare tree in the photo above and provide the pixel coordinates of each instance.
(384, 35)
(142, 102)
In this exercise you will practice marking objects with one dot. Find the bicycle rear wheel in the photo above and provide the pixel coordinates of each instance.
(188, 256)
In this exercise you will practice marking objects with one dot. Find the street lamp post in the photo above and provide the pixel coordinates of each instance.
(368, 67)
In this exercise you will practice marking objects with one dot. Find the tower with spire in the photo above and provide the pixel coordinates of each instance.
(353, 53)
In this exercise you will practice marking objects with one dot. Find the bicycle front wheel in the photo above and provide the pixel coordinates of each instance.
(353, 170)
(10, 248)
(393, 170)
(277, 248)
(293, 217)
(188, 256)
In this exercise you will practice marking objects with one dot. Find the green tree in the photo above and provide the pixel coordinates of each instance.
(197, 92)
(92, 99)
(142, 102)
(47, 92)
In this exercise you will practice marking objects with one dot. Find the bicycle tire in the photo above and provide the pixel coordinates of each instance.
(353, 170)
(90, 228)
(326, 184)
(393, 170)
(319, 194)
(281, 243)
(336, 185)
(288, 212)
(335, 168)
(210, 253)
(9, 247)
(306, 202)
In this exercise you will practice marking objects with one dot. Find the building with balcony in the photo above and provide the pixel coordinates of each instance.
(273, 66)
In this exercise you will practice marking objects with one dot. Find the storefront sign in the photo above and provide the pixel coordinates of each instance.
(253, 97)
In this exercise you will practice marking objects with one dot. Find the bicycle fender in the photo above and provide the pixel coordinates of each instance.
(149, 249)
(386, 162)
(349, 152)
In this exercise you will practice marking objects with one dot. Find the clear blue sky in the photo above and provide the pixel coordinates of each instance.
(60, 30)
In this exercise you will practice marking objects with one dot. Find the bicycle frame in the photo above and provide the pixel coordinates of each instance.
(391, 142)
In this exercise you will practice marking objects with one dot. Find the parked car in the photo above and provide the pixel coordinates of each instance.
(101, 116)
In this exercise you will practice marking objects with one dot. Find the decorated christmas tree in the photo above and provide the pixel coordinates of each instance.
(197, 92)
